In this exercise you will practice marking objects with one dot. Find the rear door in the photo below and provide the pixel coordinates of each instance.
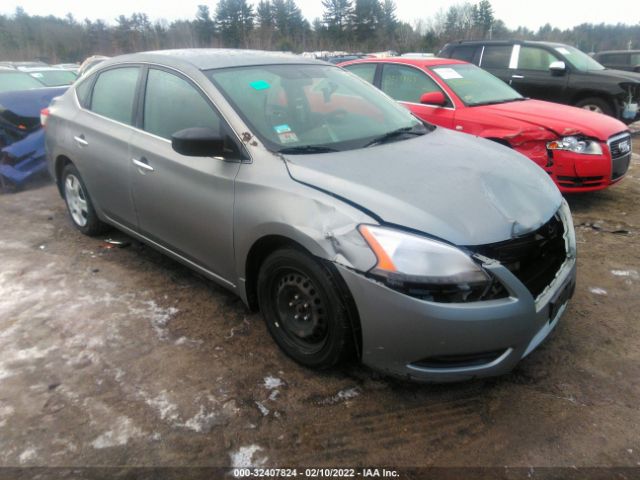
(406, 84)
(100, 135)
(496, 59)
(531, 76)
(184, 203)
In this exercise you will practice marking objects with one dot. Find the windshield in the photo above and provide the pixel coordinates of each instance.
(476, 86)
(578, 59)
(307, 108)
(13, 81)
(54, 78)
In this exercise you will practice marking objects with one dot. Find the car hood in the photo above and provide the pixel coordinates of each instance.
(459, 188)
(620, 75)
(560, 119)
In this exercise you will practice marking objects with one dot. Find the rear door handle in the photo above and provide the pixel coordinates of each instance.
(80, 140)
(142, 163)
(517, 76)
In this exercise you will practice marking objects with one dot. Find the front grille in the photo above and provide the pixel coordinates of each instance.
(620, 148)
(534, 258)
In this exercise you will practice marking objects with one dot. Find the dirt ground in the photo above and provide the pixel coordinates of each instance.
(120, 356)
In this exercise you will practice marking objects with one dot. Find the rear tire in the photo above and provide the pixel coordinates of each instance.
(304, 309)
(597, 105)
(79, 205)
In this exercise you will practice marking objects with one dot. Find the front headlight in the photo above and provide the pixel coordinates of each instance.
(405, 259)
(576, 145)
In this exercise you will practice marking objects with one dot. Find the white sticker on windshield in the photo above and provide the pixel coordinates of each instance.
(447, 73)
(563, 51)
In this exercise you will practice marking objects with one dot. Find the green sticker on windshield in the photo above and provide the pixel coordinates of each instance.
(260, 85)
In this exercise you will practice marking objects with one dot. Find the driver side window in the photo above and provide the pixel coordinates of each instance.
(532, 58)
(172, 104)
(406, 84)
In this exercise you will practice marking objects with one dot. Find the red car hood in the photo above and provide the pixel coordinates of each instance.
(561, 119)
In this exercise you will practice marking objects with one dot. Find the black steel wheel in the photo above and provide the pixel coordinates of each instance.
(304, 308)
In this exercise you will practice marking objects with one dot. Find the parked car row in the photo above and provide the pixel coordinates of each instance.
(582, 151)
(555, 72)
(356, 228)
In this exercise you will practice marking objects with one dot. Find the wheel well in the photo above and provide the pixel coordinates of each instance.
(61, 162)
(263, 248)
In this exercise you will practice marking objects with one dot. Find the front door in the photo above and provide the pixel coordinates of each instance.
(183, 203)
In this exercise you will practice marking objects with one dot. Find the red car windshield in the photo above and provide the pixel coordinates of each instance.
(475, 86)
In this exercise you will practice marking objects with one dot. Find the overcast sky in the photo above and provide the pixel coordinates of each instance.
(532, 14)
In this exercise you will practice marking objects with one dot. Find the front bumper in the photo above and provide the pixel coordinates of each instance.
(577, 173)
(399, 331)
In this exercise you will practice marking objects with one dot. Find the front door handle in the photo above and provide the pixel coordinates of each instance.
(142, 163)
(517, 76)
(80, 140)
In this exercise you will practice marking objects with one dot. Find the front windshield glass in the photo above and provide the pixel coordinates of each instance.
(54, 78)
(476, 86)
(578, 59)
(12, 81)
(312, 107)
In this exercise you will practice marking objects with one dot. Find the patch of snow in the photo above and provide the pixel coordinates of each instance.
(264, 410)
(5, 412)
(158, 316)
(271, 383)
(633, 274)
(342, 396)
(244, 457)
(28, 455)
(597, 291)
(164, 407)
(123, 430)
(201, 421)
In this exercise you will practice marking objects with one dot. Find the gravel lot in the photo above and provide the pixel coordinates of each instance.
(120, 356)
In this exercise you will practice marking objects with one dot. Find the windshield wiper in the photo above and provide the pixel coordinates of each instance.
(496, 102)
(302, 149)
(393, 134)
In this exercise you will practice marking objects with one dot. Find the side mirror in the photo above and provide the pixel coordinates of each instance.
(198, 142)
(558, 68)
(433, 98)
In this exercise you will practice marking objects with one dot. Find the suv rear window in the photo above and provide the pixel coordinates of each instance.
(496, 56)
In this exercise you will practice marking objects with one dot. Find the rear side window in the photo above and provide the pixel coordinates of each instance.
(365, 71)
(173, 104)
(535, 59)
(406, 84)
(496, 56)
(464, 52)
(83, 91)
(113, 94)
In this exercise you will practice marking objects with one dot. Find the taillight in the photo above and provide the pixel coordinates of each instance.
(44, 116)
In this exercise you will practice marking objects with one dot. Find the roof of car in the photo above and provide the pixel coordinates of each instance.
(508, 42)
(210, 58)
(617, 51)
(418, 62)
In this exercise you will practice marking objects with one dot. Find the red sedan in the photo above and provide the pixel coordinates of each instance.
(582, 151)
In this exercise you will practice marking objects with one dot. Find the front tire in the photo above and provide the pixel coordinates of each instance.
(596, 105)
(304, 308)
(81, 211)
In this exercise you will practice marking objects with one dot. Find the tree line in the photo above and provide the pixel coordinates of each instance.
(345, 25)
